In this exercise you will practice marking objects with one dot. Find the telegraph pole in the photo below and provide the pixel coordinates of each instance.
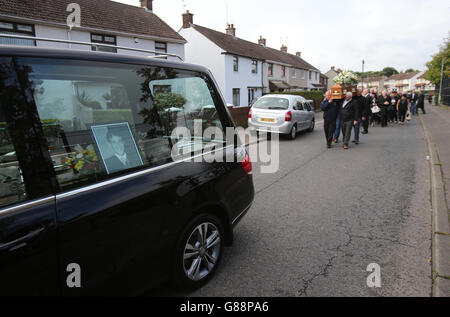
(442, 78)
(362, 77)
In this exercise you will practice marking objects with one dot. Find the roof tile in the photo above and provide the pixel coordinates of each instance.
(249, 49)
(98, 14)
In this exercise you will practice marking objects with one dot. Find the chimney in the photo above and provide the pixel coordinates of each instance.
(299, 54)
(147, 5)
(187, 19)
(283, 48)
(261, 41)
(231, 30)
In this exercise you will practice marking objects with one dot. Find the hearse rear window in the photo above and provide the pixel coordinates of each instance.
(102, 119)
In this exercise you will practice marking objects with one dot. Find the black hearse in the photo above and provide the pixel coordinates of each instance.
(92, 200)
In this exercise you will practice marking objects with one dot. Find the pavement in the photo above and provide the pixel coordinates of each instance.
(326, 215)
(436, 123)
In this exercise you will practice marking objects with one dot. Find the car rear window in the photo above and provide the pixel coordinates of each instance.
(102, 119)
(272, 103)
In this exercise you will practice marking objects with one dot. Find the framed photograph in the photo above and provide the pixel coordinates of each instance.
(117, 146)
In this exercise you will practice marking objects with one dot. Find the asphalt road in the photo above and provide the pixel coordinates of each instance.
(318, 222)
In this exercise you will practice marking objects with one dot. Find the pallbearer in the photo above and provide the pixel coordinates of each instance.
(330, 111)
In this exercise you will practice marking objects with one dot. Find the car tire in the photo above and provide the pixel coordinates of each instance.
(313, 124)
(195, 261)
(293, 134)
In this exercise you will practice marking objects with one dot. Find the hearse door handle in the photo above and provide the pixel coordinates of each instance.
(21, 242)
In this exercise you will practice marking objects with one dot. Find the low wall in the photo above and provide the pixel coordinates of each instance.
(239, 115)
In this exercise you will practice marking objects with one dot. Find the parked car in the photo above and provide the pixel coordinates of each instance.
(284, 114)
(97, 192)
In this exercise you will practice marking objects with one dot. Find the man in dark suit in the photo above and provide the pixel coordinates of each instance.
(349, 112)
(420, 102)
(330, 111)
(367, 102)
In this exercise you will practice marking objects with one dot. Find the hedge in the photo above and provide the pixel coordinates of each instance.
(312, 95)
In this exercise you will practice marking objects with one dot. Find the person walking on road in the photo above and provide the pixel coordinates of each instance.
(374, 111)
(383, 102)
(393, 107)
(330, 111)
(420, 103)
(349, 112)
(402, 108)
(362, 115)
(367, 103)
(413, 102)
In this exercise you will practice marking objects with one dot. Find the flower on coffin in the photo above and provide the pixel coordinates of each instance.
(346, 78)
(83, 161)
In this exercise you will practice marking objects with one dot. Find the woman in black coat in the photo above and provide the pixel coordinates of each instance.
(402, 108)
(383, 102)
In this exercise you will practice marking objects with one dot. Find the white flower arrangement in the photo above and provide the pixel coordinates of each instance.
(346, 78)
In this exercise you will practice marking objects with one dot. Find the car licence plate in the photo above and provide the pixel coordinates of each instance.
(267, 120)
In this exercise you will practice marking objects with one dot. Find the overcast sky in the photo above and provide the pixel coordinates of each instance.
(399, 33)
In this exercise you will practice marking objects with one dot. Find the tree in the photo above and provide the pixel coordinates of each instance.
(389, 71)
(410, 70)
(434, 66)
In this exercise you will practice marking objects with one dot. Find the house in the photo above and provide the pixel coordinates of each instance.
(101, 22)
(331, 74)
(245, 70)
(323, 85)
(423, 84)
(402, 81)
(376, 83)
(287, 72)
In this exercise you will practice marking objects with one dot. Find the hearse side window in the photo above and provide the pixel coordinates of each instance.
(102, 119)
(12, 189)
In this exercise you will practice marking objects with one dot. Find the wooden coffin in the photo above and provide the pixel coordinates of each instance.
(339, 91)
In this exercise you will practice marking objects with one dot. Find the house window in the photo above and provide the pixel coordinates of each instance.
(294, 73)
(254, 66)
(310, 75)
(16, 29)
(235, 63)
(302, 74)
(270, 70)
(251, 95)
(283, 71)
(236, 97)
(103, 39)
(315, 75)
(161, 48)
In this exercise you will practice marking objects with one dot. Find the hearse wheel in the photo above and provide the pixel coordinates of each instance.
(199, 251)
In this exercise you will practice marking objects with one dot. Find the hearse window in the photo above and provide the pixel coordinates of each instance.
(12, 188)
(102, 120)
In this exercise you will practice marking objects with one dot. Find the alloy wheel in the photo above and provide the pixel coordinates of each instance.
(202, 251)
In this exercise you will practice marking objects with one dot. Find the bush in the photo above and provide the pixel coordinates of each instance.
(316, 96)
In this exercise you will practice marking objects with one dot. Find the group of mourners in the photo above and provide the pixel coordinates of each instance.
(365, 109)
